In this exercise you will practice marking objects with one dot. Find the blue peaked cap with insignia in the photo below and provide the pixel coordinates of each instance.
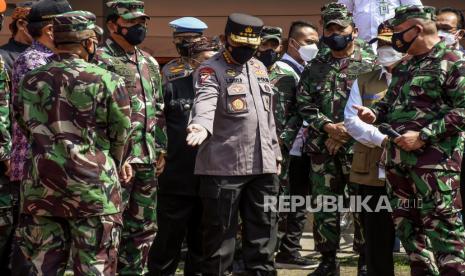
(188, 25)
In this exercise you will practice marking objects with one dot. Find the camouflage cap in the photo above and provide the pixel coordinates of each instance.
(127, 9)
(202, 45)
(406, 12)
(269, 33)
(75, 26)
(336, 13)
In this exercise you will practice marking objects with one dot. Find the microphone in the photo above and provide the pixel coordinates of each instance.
(389, 131)
(386, 129)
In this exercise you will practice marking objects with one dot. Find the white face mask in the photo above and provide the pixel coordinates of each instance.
(387, 56)
(308, 52)
(449, 38)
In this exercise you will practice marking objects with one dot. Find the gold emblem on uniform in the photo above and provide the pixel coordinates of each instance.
(248, 30)
(177, 69)
(238, 104)
(260, 73)
(231, 72)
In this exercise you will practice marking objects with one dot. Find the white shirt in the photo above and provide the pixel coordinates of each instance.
(369, 14)
(364, 133)
(296, 149)
(293, 61)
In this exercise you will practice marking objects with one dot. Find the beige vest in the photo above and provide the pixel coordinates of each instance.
(365, 161)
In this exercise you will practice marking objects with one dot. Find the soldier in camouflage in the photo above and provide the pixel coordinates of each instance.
(147, 144)
(284, 76)
(425, 103)
(6, 189)
(323, 92)
(186, 31)
(269, 52)
(6, 192)
(76, 117)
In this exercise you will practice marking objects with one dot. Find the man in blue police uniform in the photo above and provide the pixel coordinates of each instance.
(186, 31)
(239, 155)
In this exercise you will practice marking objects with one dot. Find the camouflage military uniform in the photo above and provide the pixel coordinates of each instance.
(77, 118)
(176, 69)
(324, 90)
(147, 142)
(427, 95)
(285, 81)
(6, 197)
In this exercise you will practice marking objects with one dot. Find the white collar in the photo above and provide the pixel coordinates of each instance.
(291, 59)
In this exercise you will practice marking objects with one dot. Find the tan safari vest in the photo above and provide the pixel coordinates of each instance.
(365, 161)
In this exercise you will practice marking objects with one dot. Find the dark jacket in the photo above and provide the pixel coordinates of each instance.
(10, 52)
(178, 177)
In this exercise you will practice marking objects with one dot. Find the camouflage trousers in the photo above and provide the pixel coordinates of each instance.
(284, 175)
(330, 177)
(6, 233)
(139, 220)
(45, 245)
(426, 216)
(9, 209)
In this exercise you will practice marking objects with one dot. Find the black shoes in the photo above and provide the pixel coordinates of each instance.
(284, 262)
(329, 266)
(362, 267)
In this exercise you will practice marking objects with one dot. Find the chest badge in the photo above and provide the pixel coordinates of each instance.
(238, 104)
(231, 73)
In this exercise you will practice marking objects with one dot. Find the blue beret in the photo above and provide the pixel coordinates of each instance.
(188, 25)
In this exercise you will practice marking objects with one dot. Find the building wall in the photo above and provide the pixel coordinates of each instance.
(214, 13)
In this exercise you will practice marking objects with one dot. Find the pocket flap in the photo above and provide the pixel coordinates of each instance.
(360, 162)
(266, 88)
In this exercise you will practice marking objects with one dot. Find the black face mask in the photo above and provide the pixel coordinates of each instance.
(268, 57)
(183, 48)
(398, 42)
(240, 54)
(135, 34)
(337, 42)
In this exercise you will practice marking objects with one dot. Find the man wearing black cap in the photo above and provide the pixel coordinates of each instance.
(239, 156)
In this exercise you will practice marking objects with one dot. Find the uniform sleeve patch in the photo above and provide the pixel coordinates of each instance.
(205, 74)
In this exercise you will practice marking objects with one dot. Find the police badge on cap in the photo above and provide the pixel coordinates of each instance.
(244, 29)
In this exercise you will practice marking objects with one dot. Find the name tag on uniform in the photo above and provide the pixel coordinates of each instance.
(383, 8)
